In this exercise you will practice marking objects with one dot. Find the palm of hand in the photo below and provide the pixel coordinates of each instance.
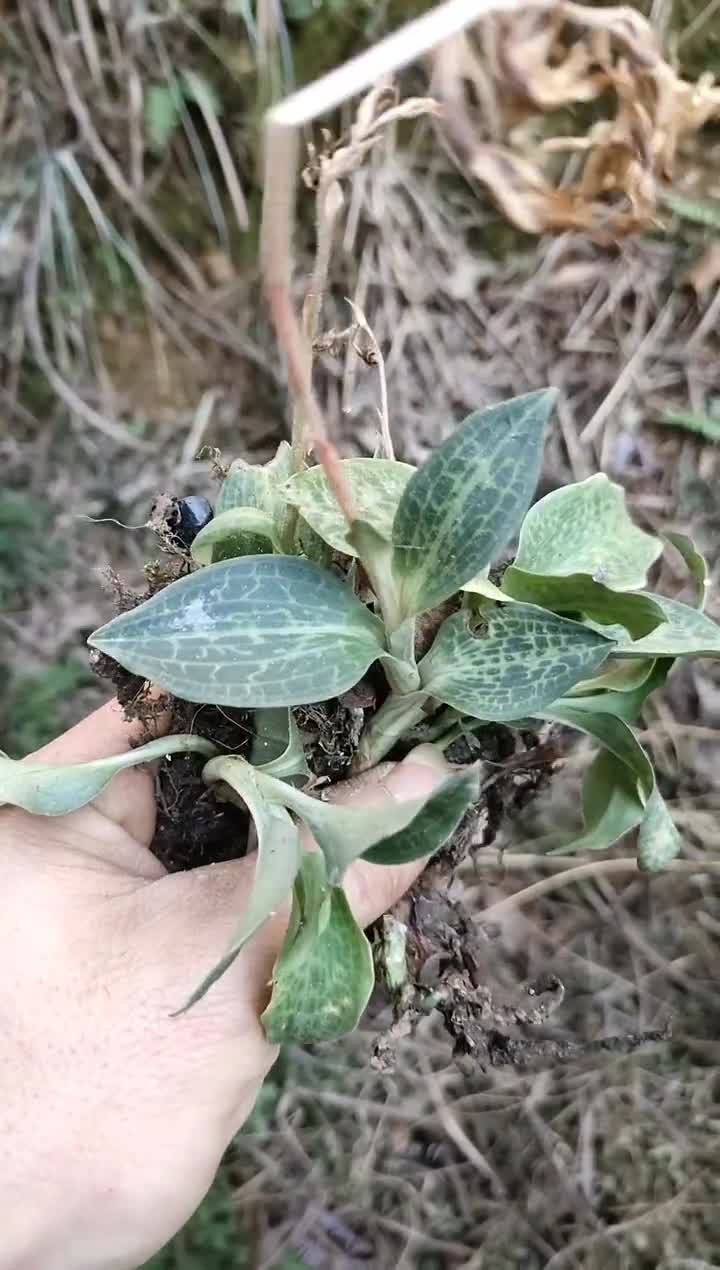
(117, 1112)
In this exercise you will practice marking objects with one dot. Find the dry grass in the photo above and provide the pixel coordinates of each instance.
(600, 1164)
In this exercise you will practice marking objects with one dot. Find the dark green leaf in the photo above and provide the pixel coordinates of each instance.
(324, 975)
(579, 593)
(686, 632)
(375, 487)
(613, 734)
(465, 502)
(55, 790)
(260, 631)
(389, 833)
(278, 859)
(513, 664)
(271, 729)
(612, 805)
(585, 529)
(658, 840)
(434, 824)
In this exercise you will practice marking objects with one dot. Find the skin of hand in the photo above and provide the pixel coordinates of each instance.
(114, 1115)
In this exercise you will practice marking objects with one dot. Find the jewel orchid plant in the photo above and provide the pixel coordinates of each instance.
(291, 601)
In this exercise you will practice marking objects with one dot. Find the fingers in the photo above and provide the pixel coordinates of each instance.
(205, 906)
(129, 799)
(104, 732)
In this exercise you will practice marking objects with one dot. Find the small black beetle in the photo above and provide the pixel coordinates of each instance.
(190, 515)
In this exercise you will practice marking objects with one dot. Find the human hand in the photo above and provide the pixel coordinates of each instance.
(114, 1114)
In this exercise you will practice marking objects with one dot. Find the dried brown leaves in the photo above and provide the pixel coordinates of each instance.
(546, 60)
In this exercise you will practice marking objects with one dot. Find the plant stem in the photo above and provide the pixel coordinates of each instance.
(386, 444)
(398, 714)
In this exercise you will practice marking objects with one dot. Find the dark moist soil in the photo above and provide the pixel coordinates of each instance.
(194, 825)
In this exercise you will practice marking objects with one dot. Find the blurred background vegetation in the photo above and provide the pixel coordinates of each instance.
(134, 335)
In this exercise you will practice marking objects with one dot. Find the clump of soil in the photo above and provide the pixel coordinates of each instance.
(195, 826)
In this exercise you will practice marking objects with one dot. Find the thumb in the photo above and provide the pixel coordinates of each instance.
(373, 888)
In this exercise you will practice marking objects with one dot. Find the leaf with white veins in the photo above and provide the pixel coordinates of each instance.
(513, 664)
(686, 632)
(259, 631)
(256, 485)
(324, 975)
(585, 528)
(375, 487)
(465, 502)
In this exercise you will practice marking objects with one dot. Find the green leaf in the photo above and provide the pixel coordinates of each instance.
(612, 805)
(229, 534)
(705, 425)
(625, 703)
(48, 790)
(279, 856)
(579, 593)
(481, 585)
(278, 748)
(249, 486)
(613, 734)
(260, 631)
(623, 676)
(257, 485)
(375, 486)
(390, 833)
(465, 502)
(693, 209)
(324, 975)
(685, 632)
(272, 734)
(696, 564)
(658, 839)
(585, 529)
(513, 664)
(434, 825)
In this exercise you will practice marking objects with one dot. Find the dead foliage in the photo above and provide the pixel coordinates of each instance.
(544, 61)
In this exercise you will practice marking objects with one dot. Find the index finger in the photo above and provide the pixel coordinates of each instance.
(104, 732)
